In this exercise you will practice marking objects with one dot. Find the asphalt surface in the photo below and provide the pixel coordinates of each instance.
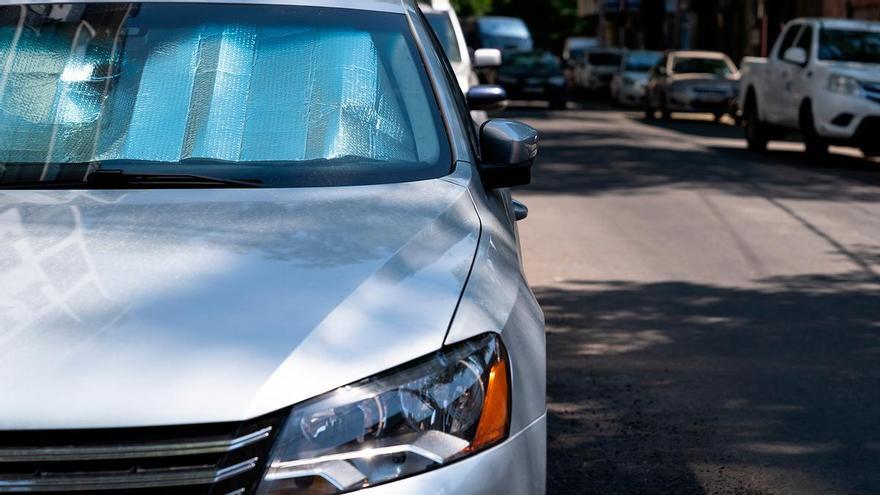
(713, 316)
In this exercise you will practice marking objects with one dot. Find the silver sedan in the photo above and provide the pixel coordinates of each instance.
(259, 249)
(693, 82)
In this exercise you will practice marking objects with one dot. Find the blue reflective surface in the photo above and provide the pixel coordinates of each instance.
(125, 82)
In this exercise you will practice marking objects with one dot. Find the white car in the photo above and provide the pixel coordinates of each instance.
(575, 47)
(595, 68)
(822, 79)
(444, 21)
(629, 84)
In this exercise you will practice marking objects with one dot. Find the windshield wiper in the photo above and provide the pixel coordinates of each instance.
(103, 177)
(109, 179)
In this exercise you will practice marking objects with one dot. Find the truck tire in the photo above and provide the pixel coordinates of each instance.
(817, 148)
(755, 130)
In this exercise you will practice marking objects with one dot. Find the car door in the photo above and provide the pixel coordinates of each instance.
(797, 85)
(779, 73)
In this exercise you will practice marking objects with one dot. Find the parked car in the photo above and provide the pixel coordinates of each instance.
(443, 19)
(259, 249)
(575, 47)
(596, 67)
(692, 81)
(508, 34)
(534, 76)
(629, 84)
(823, 80)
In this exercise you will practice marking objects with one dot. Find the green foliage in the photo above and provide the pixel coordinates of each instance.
(467, 8)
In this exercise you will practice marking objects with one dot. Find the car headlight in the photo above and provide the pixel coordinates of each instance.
(423, 415)
(557, 80)
(844, 85)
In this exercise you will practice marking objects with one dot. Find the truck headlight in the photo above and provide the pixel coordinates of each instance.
(419, 417)
(845, 85)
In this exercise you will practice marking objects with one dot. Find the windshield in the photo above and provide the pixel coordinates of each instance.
(716, 66)
(504, 27)
(282, 95)
(604, 59)
(849, 46)
(442, 25)
(641, 62)
(541, 61)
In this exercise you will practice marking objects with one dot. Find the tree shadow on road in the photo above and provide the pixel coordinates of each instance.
(657, 388)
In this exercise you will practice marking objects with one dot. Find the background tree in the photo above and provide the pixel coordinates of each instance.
(467, 8)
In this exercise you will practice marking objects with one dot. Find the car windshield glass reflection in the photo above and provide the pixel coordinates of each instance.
(850, 46)
(279, 95)
(701, 66)
(641, 62)
(541, 61)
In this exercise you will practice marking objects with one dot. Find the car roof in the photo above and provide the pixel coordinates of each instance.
(394, 6)
(841, 23)
(699, 54)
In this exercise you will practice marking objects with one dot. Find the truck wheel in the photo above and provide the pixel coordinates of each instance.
(817, 148)
(756, 132)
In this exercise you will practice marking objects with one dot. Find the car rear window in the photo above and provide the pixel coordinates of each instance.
(288, 95)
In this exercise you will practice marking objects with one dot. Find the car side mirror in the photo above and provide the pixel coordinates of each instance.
(487, 97)
(795, 55)
(487, 58)
(507, 152)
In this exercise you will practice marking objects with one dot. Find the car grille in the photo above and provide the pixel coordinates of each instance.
(219, 459)
(872, 91)
(710, 90)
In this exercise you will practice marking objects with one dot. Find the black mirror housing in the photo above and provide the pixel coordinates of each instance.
(487, 97)
(507, 152)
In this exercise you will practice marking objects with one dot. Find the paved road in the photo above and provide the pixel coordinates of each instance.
(713, 316)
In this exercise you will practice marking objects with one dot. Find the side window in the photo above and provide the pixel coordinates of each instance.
(788, 40)
(806, 40)
(463, 113)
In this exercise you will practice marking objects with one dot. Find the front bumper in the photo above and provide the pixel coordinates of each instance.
(687, 102)
(861, 115)
(631, 94)
(516, 467)
(535, 92)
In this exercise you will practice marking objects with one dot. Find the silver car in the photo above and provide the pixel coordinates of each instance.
(259, 249)
(628, 86)
(693, 82)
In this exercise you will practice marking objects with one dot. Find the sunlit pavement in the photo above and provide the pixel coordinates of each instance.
(713, 316)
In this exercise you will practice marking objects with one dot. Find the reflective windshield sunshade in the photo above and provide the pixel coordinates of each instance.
(417, 418)
(87, 82)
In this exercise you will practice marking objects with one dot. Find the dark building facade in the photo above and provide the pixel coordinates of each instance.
(736, 27)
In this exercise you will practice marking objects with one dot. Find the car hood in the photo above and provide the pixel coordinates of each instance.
(159, 307)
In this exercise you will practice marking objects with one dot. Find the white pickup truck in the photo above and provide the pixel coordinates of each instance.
(822, 79)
